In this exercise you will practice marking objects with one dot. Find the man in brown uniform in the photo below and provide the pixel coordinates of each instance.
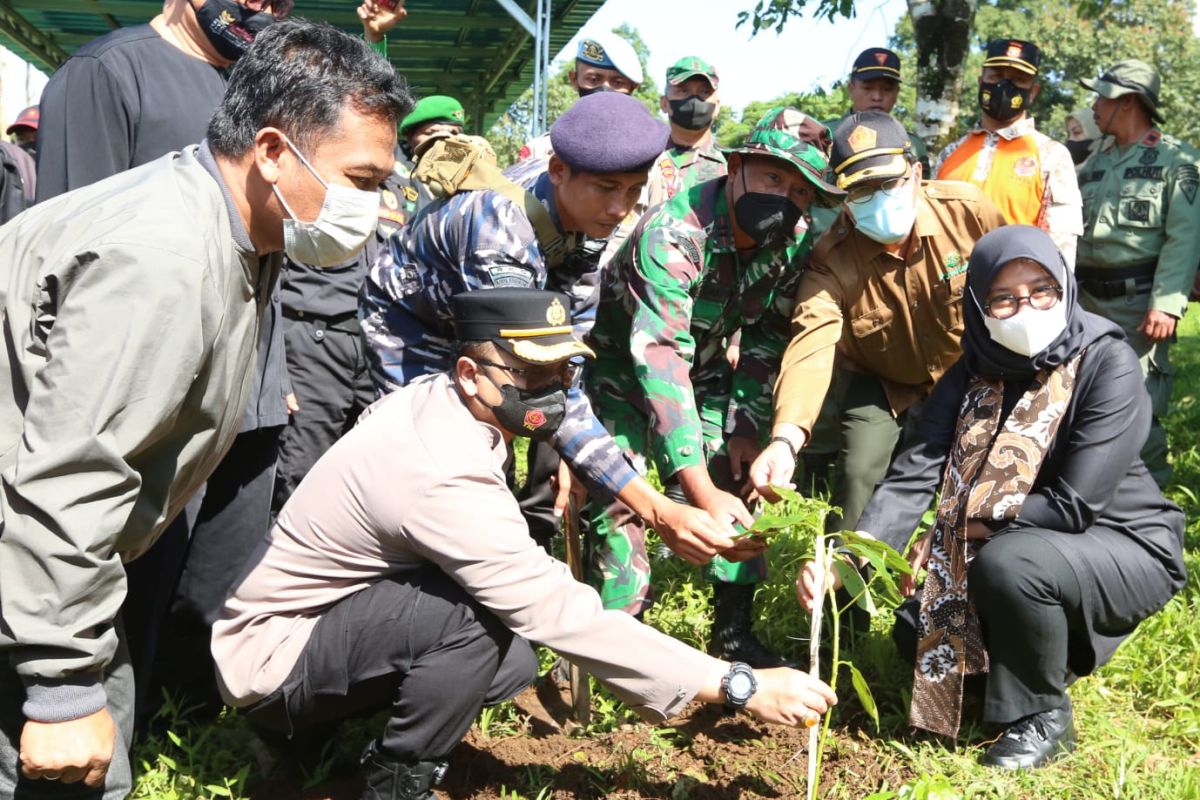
(885, 290)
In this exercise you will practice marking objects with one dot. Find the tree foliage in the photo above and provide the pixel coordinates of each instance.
(822, 104)
(1079, 38)
(511, 131)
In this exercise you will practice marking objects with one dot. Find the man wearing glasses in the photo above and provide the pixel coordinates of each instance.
(883, 298)
(401, 576)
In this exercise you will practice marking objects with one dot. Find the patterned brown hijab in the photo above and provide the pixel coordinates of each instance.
(991, 467)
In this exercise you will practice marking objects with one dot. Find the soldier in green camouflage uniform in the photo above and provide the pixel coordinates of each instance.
(692, 156)
(720, 256)
(1137, 255)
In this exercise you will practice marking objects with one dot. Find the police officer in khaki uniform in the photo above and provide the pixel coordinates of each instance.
(884, 293)
(1137, 255)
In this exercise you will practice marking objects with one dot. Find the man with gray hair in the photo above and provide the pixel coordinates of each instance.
(132, 308)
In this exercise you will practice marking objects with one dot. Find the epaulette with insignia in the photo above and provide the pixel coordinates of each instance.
(951, 190)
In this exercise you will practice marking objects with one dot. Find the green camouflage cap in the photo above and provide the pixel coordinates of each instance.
(792, 136)
(690, 67)
(1129, 77)
(439, 107)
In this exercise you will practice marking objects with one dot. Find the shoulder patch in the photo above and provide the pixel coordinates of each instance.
(1188, 179)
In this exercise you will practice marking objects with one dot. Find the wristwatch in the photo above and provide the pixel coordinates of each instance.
(739, 685)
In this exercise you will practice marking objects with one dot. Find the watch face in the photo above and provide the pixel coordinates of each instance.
(739, 685)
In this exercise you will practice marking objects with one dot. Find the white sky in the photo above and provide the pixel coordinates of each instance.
(807, 54)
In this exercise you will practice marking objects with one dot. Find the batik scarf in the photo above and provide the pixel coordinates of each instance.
(987, 478)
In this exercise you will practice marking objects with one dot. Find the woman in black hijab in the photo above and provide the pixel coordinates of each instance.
(1051, 541)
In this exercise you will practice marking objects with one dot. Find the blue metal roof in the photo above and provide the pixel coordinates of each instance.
(471, 49)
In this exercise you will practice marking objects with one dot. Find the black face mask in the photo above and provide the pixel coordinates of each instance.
(1003, 100)
(231, 27)
(692, 113)
(604, 87)
(535, 413)
(30, 147)
(1079, 149)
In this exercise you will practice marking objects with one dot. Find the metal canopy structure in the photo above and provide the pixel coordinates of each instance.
(484, 52)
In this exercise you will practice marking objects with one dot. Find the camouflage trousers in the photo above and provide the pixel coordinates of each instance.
(616, 560)
(1155, 359)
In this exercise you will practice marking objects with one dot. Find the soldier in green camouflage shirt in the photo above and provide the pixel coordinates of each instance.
(720, 256)
(1137, 256)
(692, 156)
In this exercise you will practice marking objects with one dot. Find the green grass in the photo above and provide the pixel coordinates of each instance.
(1138, 717)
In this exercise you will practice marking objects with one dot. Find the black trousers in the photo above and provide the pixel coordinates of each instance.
(414, 643)
(1033, 619)
(328, 370)
(178, 588)
(536, 497)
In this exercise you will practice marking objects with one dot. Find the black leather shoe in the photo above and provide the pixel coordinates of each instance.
(1034, 741)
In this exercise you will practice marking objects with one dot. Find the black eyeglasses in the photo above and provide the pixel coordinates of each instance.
(536, 377)
(1006, 305)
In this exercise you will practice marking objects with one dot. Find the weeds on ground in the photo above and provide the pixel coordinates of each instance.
(1137, 717)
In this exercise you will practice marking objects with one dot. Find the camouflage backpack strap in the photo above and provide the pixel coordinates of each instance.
(459, 163)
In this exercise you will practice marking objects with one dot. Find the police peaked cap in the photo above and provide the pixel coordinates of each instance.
(532, 324)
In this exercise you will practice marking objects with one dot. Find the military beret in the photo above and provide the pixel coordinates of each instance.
(608, 132)
(1015, 53)
(28, 118)
(1129, 77)
(692, 67)
(876, 62)
(870, 144)
(609, 51)
(532, 324)
(797, 139)
(435, 107)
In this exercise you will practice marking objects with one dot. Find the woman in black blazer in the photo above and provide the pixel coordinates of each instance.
(1051, 542)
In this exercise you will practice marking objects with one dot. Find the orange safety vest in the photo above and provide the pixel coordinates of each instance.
(1014, 182)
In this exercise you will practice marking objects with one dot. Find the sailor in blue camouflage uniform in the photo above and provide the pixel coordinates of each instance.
(479, 239)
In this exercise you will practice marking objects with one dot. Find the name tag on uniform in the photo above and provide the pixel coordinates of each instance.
(1145, 173)
(1088, 177)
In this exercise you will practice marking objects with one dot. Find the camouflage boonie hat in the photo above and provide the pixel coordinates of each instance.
(792, 136)
(691, 67)
(1129, 77)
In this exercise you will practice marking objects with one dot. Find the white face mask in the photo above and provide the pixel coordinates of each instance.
(887, 218)
(1029, 331)
(348, 218)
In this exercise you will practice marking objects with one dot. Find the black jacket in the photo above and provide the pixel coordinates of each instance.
(1092, 480)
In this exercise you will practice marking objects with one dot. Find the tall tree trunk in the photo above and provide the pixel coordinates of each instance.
(943, 33)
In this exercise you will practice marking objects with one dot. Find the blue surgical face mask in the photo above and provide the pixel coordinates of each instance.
(887, 217)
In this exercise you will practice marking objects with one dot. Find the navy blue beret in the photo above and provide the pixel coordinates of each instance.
(608, 132)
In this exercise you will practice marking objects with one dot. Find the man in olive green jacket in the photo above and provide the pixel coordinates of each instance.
(131, 312)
